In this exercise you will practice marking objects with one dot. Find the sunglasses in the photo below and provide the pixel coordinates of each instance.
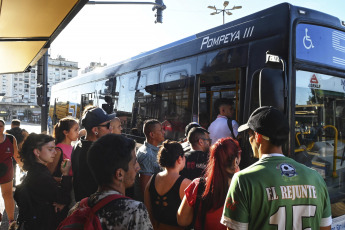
(106, 125)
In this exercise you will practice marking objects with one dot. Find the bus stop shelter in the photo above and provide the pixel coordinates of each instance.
(27, 28)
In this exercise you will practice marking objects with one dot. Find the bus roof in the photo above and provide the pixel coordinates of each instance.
(196, 44)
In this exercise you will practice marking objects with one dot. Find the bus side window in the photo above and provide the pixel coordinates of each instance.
(168, 100)
(125, 101)
(87, 99)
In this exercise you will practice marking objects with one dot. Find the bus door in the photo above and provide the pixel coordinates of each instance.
(222, 84)
(320, 130)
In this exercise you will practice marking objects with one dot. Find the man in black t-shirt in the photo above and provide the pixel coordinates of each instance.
(185, 144)
(197, 157)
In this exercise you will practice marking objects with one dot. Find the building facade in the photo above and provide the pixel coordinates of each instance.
(18, 96)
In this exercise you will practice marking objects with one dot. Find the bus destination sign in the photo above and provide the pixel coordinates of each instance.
(320, 44)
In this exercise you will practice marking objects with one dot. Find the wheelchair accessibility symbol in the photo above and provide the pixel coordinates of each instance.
(307, 42)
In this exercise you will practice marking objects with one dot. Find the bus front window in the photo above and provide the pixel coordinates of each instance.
(320, 130)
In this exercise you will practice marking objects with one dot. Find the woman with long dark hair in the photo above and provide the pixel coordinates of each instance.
(225, 156)
(165, 190)
(40, 198)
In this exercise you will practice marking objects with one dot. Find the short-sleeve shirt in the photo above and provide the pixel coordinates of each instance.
(219, 128)
(196, 162)
(277, 191)
(147, 159)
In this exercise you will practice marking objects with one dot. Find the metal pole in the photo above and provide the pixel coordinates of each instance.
(223, 16)
(44, 108)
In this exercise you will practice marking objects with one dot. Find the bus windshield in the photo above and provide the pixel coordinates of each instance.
(320, 130)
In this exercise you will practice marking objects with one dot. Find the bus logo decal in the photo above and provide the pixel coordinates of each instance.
(226, 38)
(248, 32)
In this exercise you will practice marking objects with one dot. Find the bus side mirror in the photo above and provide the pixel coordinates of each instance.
(272, 88)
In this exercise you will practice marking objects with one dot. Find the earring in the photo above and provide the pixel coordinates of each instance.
(96, 133)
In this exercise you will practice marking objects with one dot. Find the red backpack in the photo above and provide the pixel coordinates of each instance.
(84, 216)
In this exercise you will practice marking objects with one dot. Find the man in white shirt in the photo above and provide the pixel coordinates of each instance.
(220, 127)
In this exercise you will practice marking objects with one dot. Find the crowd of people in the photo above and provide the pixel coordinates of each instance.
(164, 184)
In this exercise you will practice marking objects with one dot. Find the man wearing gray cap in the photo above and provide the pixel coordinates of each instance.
(97, 124)
(276, 192)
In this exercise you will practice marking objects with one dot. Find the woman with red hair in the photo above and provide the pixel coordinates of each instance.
(225, 156)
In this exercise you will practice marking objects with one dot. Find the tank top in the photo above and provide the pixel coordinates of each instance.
(67, 152)
(6, 149)
(66, 149)
(164, 208)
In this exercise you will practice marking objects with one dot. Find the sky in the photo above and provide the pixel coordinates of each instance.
(112, 33)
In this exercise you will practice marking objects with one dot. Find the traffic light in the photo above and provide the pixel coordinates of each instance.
(39, 91)
(159, 13)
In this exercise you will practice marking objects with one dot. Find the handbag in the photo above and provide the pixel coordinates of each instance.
(201, 189)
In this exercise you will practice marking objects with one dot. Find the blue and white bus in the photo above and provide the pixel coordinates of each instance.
(287, 56)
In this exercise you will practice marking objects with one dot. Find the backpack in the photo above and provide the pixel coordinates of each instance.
(231, 129)
(84, 217)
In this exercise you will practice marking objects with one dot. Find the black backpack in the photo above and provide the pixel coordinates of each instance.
(231, 129)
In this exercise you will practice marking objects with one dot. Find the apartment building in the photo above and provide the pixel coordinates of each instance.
(18, 91)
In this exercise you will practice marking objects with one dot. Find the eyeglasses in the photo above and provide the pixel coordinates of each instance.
(106, 125)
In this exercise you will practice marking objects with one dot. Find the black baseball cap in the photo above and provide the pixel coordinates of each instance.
(95, 117)
(269, 122)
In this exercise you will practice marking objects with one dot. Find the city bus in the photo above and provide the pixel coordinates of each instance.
(285, 56)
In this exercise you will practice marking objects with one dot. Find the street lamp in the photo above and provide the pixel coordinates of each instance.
(224, 11)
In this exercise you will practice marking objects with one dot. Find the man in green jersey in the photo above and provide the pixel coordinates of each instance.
(276, 192)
